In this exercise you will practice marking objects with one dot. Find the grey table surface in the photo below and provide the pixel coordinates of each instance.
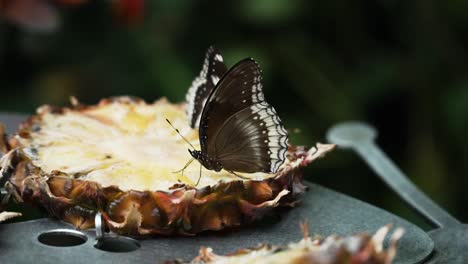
(327, 212)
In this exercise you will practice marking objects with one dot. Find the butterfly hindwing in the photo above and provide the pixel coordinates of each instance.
(212, 71)
(238, 127)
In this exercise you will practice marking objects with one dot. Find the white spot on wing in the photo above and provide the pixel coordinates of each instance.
(214, 79)
(218, 57)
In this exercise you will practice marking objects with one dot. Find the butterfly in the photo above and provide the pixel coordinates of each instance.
(238, 130)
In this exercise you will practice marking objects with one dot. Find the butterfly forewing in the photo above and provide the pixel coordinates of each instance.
(212, 71)
(238, 127)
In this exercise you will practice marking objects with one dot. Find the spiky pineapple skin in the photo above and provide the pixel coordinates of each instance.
(183, 209)
(356, 249)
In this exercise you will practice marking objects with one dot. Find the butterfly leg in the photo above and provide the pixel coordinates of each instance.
(186, 165)
(240, 176)
(199, 176)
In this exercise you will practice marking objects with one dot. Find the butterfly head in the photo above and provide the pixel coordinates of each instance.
(195, 154)
(207, 162)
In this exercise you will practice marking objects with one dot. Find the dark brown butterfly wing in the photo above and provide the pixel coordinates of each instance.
(238, 127)
(213, 69)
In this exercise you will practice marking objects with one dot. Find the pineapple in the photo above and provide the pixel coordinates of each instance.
(3, 214)
(356, 249)
(118, 158)
(7, 215)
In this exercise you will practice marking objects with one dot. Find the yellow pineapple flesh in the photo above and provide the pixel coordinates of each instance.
(129, 145)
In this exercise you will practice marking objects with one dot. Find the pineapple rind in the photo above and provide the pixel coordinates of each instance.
(356, 249)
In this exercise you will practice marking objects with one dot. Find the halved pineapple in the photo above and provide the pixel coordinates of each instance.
(118, 157)
(356, 249)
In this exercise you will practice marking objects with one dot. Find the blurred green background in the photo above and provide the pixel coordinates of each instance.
(399, 65)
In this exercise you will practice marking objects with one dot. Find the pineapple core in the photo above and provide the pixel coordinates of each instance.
(128, 145)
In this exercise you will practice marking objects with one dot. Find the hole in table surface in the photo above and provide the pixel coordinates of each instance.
(117, 244)
(62, 238)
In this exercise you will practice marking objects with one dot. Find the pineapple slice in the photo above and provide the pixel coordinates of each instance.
(355, 249)
(118, 157)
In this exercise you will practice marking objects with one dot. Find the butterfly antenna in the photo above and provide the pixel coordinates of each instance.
(186, 165)
(178, 132)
